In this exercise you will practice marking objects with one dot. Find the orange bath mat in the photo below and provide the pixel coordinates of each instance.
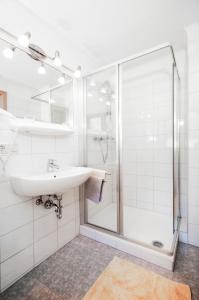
(123, 280)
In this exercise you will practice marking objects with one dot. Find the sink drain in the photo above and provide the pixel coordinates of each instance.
(158, 244)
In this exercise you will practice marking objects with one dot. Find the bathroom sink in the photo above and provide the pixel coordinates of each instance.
(49, 183)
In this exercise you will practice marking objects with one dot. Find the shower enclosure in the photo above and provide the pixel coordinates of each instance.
(132, 132)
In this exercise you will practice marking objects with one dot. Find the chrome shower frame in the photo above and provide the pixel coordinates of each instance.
(175, 154)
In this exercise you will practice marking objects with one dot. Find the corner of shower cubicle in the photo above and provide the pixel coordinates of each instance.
(115, 235)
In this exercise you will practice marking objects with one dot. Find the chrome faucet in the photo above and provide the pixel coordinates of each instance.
(52, 165)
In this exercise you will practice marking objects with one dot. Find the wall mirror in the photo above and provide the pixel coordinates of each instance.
(31, 90)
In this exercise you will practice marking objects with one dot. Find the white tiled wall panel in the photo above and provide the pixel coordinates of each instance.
(16, 240)
(193, 134)
(45, 247)
(66, 233)
(15, 216)
(16, 266)
(25, 227)
(44, 226)
(147, 137)
(68, 214)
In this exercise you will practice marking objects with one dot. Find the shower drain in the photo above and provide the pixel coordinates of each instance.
(158, 244)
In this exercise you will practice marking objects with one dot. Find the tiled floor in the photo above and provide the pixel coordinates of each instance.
(70, 272)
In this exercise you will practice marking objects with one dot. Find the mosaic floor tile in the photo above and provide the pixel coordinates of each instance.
(69, 273)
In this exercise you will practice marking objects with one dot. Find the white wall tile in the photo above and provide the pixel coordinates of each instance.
(163, 156)
(68, 214)
(6, 136)
(193, 82)
(40, 161)
(129, 195)
(129, 179)
(15, 216)
(18, 163)
(16, 241)
(163, 170)
(45, 247)
(193, 121)
(193, 234)
(8, 197)
(69, 197)
(64, 160)
(193, 195)
(193, 137)
(145, 168)
(64, 144)
(66, 233)
(145, 156)
(24, 143)
(128, 167)
(145, 196)
(145, 182)
(43, 144)
(163, 184)
(129, 156)
(193, 176)
(193, 214)
(194, 158)
(13, 268)
(44, 226)
(163, 198)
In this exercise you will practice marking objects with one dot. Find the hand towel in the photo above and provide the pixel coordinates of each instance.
(93, 189)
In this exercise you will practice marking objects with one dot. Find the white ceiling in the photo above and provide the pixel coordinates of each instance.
(98, 32)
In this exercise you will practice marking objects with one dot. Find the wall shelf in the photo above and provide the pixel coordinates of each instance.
(40, 128)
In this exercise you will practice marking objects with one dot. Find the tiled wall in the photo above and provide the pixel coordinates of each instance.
(193, 134)
(147, 133)
(182, 67)
(30, 233)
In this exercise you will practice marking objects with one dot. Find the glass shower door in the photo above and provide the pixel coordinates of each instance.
(101, 141)
(146, 86)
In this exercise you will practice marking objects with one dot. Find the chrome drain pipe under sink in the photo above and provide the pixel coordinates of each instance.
(48, 202)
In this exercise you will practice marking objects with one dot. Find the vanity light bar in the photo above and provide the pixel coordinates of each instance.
(15, 42)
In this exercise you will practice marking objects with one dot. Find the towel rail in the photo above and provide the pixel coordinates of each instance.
(107, 173)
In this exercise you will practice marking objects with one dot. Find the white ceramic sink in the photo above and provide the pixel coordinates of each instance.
(49, 183)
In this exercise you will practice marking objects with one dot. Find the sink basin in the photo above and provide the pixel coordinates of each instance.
(49, 183)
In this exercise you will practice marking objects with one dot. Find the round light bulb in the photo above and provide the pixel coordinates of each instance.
(57, 60)
(62, 79)
(8, 52)
(42, 70)
(108, 103)
(78, 72)
(24, 39)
